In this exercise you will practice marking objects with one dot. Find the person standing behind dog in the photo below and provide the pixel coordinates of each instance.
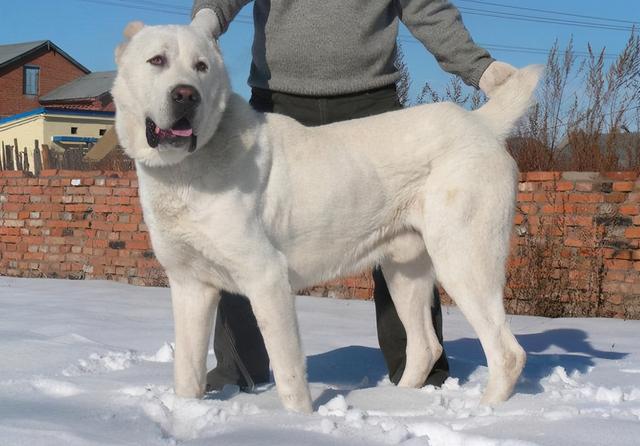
(327, 61)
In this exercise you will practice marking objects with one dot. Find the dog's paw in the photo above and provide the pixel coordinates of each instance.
(297, 403)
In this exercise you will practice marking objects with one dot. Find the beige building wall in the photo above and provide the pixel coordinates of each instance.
(26, 131)
(44, 127)
(88, 126)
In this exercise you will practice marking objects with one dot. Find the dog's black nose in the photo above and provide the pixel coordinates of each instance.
(185, 96)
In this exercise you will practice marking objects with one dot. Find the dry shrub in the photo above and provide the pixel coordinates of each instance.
(587, 116)
(116, 160)
(587, 128)
(557, 267)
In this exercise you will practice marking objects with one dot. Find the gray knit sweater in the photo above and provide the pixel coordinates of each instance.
(331, 47)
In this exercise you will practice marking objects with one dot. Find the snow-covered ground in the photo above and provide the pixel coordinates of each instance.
(90, 363)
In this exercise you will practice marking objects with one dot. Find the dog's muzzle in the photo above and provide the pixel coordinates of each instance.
(184, 101)
(180, 134)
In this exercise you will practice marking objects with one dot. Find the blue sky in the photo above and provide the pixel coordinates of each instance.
(89, 30)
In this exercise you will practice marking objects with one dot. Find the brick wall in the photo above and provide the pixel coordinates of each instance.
(575, 249)
(77, 225)
(55, 70)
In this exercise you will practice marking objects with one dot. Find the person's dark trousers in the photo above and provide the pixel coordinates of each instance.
(238, 345)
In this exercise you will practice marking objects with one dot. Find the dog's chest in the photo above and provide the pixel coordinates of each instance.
(179, 234)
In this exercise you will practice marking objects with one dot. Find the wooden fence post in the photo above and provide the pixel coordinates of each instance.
(17, 152)
(46, 161)
(25, 161)
(2, 157)
(18, 158)
(37, 161)
(9, 155)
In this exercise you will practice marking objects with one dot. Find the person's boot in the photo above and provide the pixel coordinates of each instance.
(241, 355)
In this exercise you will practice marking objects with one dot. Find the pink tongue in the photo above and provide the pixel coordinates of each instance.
(185, 132)
(165, 133)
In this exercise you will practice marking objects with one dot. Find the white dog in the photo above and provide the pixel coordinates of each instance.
(260, 205)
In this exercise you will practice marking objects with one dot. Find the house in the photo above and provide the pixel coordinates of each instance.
(31, 70)
(58, 128)
(88, 92)
(75, 113)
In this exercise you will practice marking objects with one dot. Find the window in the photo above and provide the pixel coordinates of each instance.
(31, 80)
(74, 130)
(102, 132)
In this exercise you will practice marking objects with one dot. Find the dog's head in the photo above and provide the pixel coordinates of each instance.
(170, 92)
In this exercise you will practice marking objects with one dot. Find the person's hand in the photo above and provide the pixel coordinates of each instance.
(495, 75)
(207, 21)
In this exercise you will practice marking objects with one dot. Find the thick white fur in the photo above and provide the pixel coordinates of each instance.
(265, 207)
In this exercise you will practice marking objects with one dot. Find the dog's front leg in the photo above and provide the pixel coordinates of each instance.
(194, 305)
(274, 307)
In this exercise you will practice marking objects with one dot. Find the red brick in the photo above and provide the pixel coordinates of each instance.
(585, 198)
(99, 190)
(125, 191)
(102, 225)
(362, 293)
(138, 244)
(115, 182)
(547, 197)
(630, 209)
(632, 232)
(12, 173)
(610, 253)
(623, 186)
(578, 220)
(528, 208)
(582, 186)
(574, 242)
(125, 227)
(615, 276)
(542, 176)
(84, 207)
(615, 299)
(118, 200)
(615, 264)
(621, 176)
(33, 256)
(12, 207)
(615, 197)
(563, 186)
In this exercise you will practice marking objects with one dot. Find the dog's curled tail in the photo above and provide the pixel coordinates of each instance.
(511, 100)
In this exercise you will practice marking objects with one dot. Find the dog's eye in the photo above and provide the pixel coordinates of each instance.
(201, 66)
(158, 61)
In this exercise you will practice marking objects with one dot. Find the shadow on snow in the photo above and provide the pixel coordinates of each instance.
(357, 366)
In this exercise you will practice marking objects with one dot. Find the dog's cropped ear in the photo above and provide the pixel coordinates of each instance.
(130, 30)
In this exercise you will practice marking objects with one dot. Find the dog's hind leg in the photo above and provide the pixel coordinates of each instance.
(194, 305)
(467, 236)
(411, 287)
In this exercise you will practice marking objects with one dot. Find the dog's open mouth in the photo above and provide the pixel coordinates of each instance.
(180, 133)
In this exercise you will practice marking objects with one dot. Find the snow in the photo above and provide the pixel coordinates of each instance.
(91, 363)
